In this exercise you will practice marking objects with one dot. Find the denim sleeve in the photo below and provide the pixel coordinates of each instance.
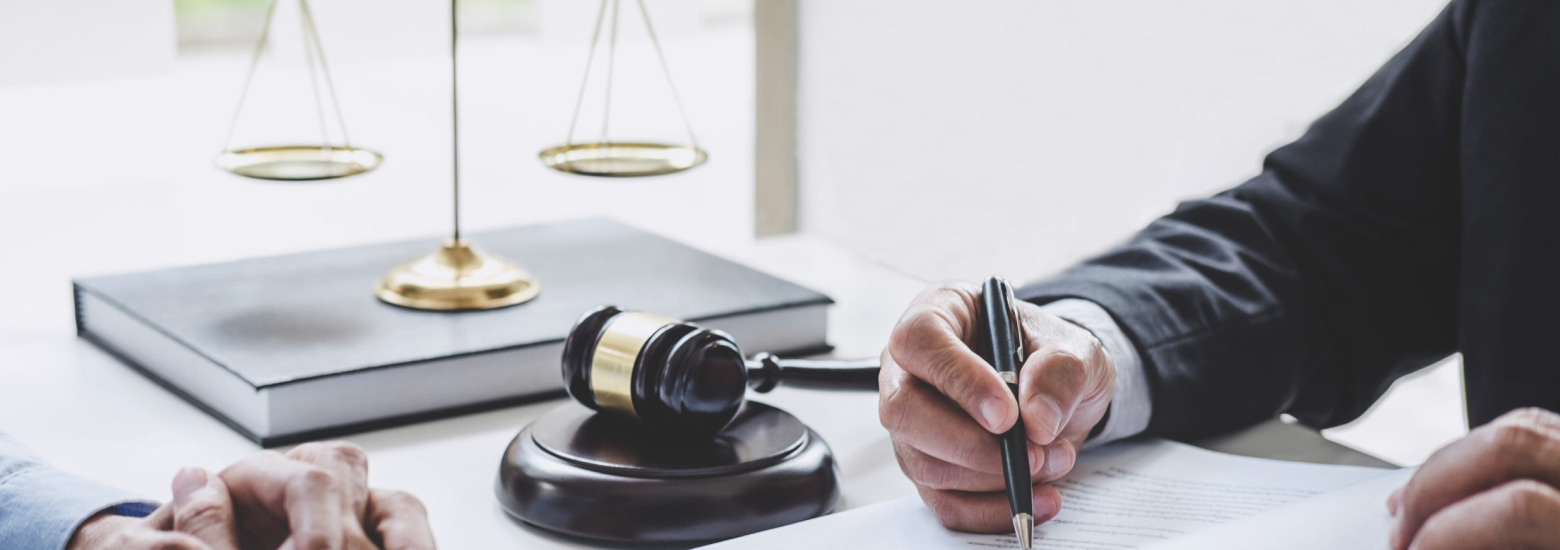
(41, 507)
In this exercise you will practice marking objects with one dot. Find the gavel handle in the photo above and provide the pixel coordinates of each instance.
(765, 372)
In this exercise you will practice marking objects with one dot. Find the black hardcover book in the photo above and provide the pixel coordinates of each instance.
(296, 347)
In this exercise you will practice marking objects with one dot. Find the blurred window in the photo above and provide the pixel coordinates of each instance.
(224, 24)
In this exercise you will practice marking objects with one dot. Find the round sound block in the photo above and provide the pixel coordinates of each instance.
(604, 477)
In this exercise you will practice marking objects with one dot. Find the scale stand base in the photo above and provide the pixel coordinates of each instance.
(603, 477)
(458, 276)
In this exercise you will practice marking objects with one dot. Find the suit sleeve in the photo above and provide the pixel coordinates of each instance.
(41, 507)
(1308, 289)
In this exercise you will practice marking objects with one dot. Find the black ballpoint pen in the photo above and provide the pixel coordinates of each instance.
(1000, 342)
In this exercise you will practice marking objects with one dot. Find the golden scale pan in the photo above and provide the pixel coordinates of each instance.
(604, 157)
(298, 162)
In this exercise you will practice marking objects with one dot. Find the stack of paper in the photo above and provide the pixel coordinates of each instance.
(1150, 494)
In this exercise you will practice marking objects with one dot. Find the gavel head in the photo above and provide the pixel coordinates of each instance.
(675, 377)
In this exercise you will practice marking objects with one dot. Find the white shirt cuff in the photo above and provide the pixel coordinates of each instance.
(1131, 406)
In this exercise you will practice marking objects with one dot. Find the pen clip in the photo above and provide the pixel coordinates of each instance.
(1001, 340)
(1015, 326)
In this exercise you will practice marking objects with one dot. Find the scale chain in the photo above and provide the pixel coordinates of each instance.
(254, 61)
(590, 59)
(314, 52)
(606, 102)
(667, 71)
(314, 78)
(318, 49)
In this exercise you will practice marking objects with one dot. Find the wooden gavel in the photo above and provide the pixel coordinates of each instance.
(679, 378)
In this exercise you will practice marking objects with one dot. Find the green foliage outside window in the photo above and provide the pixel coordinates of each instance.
(205, 24)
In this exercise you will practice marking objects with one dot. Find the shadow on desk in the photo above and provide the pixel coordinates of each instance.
(1279, 440)
(582, 542)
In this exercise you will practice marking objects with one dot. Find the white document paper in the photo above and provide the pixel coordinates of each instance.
(1351, 518)
(1127, 495)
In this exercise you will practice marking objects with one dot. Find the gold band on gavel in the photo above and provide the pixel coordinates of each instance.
(612, 366)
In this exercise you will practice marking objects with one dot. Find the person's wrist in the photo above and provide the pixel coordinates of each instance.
(1100, 426)
(98, 530)
(1110, 366)
(1129, 405)
(1098, 351)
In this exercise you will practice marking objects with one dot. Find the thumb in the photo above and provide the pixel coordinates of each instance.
(929, 343)
(203, 509)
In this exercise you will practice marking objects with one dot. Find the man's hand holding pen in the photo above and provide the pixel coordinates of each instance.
(942, 403)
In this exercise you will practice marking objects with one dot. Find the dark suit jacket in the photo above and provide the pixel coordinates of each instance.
(1419, 218)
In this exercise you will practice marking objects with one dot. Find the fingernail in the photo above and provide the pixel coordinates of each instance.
(187, 481)
(992, 410)
(1036, 458)
(1045, 506)
(1058, 460)
(1049, 413)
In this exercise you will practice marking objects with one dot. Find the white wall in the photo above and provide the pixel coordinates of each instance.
(1057, 126)
(61, 40)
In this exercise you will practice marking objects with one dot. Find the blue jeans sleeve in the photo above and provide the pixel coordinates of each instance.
(41, 507)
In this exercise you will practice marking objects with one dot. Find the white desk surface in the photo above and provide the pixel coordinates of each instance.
(84, 411)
